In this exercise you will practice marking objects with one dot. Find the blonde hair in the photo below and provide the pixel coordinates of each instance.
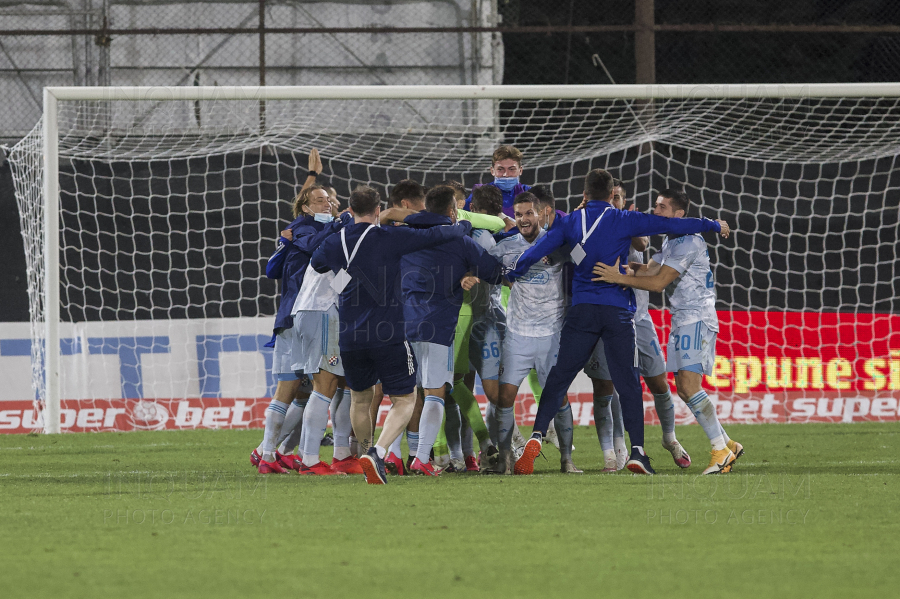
(303, 198)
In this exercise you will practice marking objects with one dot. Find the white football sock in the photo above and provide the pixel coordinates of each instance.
(315, 420)
(429, 425)
(340, 420)
(274, 419)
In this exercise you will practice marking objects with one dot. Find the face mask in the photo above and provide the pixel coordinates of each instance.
(506, 183)
(323, 217)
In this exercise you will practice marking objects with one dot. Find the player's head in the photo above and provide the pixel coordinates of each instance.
(365, 201)
(441, 200)
(619, 197)
(506, 163)
(408, 194)
(672, 203)
(528, 218)
(598, 185)
(459, 189)
(487, 199)
(332, 197)
(546, 204)
(311, 201)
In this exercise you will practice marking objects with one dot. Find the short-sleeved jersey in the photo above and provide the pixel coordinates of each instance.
(537, 301)
(641, 297)
(692, 296)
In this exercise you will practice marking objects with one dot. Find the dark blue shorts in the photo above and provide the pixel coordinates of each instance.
(394, 365)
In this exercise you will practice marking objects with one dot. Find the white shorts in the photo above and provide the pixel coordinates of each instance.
(435, 364)
(316, 342)
(282, 360)
(521, 354)
(485, 348)
(691, 347)
(650, 357)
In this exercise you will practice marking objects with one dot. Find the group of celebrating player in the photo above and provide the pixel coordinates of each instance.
(412, 301)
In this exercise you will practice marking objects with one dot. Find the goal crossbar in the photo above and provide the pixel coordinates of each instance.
(53, 95)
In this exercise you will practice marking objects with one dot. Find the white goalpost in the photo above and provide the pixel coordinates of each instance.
(158, 206)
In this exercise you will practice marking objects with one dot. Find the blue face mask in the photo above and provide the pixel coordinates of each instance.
(323, 217)
(506, 183)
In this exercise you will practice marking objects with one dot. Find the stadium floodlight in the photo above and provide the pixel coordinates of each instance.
(162, 203)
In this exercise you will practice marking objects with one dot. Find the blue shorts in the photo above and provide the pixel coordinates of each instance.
(691, 347)
(394, 365)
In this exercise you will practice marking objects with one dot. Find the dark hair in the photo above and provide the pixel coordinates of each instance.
(598, 185)
(487, 199)
(364, 200)
(678, 198)
(456, 186)
(440, 199)
(406, 189)
(527, 196)
(544, 195)
(617, 183)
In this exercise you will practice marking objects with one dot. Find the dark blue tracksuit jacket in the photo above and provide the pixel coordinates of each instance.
(600, 310)
(430, 282)
(371, 305)
(609, 241)
(291, 258)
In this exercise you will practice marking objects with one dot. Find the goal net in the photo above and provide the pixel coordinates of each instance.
(150, 307)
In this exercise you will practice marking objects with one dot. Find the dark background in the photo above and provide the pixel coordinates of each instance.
(829, 245)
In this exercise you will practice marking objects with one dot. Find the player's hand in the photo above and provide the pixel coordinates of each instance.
(288, 234)
(631, 208)
(469, 281)
(315, 161)
(582, 205)
(726, 230)
(606, 273)
(634, 267)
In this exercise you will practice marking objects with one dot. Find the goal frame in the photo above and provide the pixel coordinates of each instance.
(53, 95)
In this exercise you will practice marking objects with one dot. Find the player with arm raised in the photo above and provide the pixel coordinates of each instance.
(366, 261)
(682, 269)
(316, 350)
(534, 317)
(599, 233)
(296, 244)
(607, 408)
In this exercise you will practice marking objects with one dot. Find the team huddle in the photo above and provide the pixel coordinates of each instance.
(412, 301)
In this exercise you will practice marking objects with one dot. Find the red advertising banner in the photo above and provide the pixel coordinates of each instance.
(770, 367)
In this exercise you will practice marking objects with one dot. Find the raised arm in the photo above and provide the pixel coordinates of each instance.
(315, 168)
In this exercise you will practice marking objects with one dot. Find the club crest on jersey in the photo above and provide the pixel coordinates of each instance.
(333, 360)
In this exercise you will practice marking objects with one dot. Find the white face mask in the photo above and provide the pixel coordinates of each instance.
(323, 217)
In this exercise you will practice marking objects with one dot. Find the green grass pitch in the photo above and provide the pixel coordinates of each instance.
(810, 511)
